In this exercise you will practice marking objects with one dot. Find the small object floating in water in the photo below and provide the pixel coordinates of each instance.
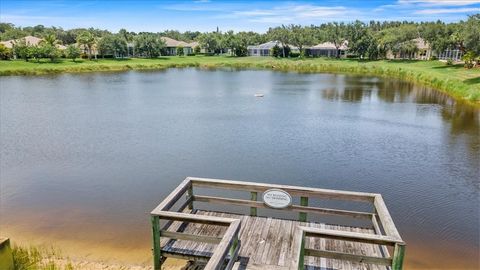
(258, 95)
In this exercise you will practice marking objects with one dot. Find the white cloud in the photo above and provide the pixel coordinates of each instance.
(441, 2)
(293, 13)
(447, 10)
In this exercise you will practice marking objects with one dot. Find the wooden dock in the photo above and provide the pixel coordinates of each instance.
(221, 240)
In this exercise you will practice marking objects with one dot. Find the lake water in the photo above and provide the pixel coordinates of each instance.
(86, 157)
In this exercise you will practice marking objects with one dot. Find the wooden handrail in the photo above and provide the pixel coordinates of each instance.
(195, 218)
(221, 251)
(293, 190)
(173, 197)
(294, 208)
(302, 232)
(351, 236)
(385, 218)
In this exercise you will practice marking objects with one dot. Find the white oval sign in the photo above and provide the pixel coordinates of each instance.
(277, 198)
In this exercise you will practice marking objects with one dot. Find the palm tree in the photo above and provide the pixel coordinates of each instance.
(86, 39)
(51, 39)
(48, 46)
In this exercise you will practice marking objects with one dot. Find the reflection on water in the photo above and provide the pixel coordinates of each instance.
(94, 153)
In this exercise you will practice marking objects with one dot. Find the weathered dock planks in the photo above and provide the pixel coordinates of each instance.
(267, 243)
(215, 240)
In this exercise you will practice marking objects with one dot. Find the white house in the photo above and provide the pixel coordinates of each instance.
(265, 48)
(327, 49)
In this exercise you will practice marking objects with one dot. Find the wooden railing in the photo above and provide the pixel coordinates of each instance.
(228, 246)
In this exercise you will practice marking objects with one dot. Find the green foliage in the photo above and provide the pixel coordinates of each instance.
(37, 258)
(454, 80)
(5, 53)
(336, 33)
(22, 50)
(87, 39)
(113, 45)
(437, 34)
(282, 35)
(398, 40)
(149, 45)
(469, 58)
(211, 42)
(72, 52)
(49, 51)
(180, 51)
(187, 36)
(197, 50)
(278, 51)
(471, 34)
(301, 37)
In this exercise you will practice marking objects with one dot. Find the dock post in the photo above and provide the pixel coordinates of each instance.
(301, 257)
(253, 210)
(398, 254)
(189, 196)
(156, 243)
(302, 216)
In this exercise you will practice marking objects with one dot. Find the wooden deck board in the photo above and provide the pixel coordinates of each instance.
(267, 243)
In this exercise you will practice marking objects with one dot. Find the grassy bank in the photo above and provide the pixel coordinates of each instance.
(455, 80)
(50, 258)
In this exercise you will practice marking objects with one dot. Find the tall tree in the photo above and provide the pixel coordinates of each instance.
(211, 42)
(114, 45)
(471, 34)
(149, 45)
(336, 33)
(280, 34)
(72, 52)
(87, 39)
(301, 37)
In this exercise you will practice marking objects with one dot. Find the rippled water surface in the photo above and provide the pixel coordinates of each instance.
(85, 157)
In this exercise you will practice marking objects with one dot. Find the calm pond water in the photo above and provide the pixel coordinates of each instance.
(86, 157)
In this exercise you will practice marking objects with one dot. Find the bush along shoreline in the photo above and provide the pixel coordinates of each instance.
(434, 74)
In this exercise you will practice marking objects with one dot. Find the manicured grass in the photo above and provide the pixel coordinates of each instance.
(458, 82)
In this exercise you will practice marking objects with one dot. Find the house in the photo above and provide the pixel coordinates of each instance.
(171, 46)
(265, 48)
(422, 52)
(451, 54)
(327, 49)
(30, 41)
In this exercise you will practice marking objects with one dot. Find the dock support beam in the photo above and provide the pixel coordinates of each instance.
(303, 216)
(253, 210)
(189, 196)
(398, 254)
(301, 255)
(157, 256)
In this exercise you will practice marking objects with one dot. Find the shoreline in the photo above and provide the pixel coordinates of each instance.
(434, 74)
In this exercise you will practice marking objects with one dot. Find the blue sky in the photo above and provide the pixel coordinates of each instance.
(206, 15)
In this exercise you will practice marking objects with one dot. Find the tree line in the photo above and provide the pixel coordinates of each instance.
(368, 40)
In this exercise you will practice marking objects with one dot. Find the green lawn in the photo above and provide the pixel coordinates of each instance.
(455, 80)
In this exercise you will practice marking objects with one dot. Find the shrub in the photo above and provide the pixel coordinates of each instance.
(241, 51)
(5, 53)
(469, 59)
(197, 50)
(180, 51)
(277, 51)
(449, 62)
(294, 54)
(72, 52)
